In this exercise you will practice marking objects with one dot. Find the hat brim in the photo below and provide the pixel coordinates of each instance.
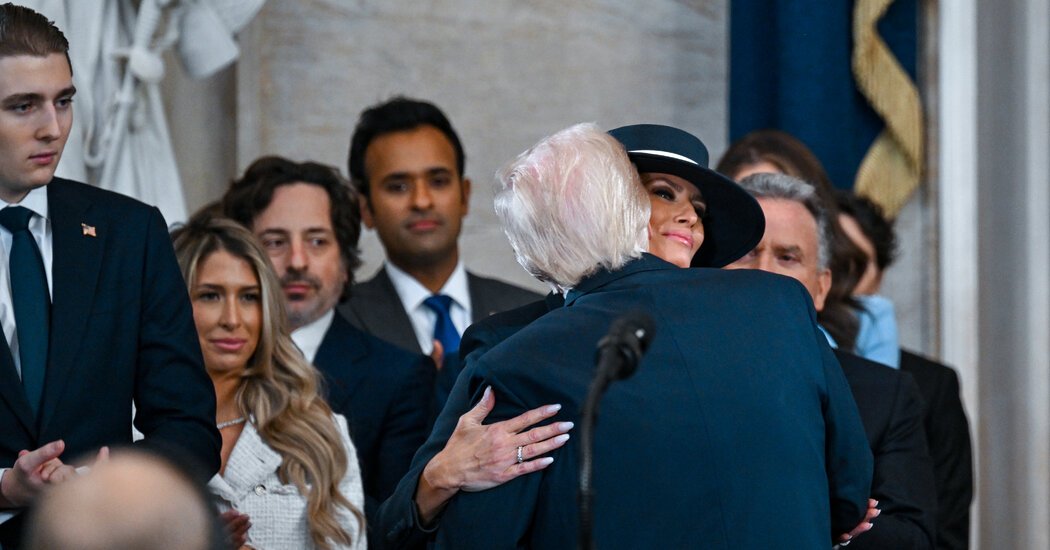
(734, 223)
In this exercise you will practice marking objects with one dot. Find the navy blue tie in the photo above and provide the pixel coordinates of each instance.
(444, 330)
(31, 300)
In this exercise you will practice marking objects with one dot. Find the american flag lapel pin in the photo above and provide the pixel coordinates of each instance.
(88, 230)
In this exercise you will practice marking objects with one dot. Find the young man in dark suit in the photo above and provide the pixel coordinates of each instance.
(407, 163)
(94, 311)
(306, 217)
(795, 244)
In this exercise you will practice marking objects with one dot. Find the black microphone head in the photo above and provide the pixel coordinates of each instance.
(635, 326)
(630, 334)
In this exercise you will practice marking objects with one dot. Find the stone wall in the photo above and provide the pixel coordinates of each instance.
(506, 72)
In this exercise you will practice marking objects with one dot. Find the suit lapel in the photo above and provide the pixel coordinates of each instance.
(11, 389)
(381, 313)
(342, 348)
(479, 304)
(78, 238)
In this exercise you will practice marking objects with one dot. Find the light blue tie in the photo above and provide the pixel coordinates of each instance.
(32, 302)
(444, 330)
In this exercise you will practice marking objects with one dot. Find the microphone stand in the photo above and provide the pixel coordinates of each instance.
(619, 353)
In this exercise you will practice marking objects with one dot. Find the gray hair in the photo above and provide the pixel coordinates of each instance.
(571, 205)
(782, 186)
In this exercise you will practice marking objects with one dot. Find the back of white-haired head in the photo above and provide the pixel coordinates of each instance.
(573, 204)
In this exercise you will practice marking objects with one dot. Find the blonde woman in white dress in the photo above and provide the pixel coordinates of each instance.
(289, 476)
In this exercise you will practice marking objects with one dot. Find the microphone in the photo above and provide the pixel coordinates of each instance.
(619, 353)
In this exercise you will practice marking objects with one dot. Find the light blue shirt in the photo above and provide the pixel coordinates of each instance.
(878, 339)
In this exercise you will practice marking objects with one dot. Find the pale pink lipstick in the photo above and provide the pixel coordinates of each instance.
(681, 237)
(229, 344)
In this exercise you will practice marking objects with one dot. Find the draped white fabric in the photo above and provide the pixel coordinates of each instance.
(120, 139)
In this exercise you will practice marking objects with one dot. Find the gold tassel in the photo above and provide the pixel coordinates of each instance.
(893, 166)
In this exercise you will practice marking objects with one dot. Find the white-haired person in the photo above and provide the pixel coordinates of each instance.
(287, 461)
(737, 404)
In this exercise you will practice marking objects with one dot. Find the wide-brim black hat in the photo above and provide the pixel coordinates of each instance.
(734, 223)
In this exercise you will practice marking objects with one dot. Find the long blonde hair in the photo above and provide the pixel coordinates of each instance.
(280, 389)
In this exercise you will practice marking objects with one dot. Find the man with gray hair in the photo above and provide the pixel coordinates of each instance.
(737, 408)
(795, 244)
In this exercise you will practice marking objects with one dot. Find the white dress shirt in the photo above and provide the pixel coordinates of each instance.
(40, 228)
(308, 337)
(413, 293)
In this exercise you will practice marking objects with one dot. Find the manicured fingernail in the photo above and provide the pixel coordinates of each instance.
(565, 426)
(552, 408)
(545, 460)
(488, 392)
(561, 438)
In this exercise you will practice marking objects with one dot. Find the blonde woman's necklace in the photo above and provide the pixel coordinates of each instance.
(228, 423)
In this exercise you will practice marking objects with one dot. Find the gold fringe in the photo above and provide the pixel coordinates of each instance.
(892, 168)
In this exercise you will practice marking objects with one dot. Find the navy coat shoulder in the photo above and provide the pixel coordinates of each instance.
(384, 392)
(892, 412)
(738, 403)
(121, 331)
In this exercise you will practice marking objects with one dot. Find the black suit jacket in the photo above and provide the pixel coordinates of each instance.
(696, 446)
(948, 433)
(384, 392)
(121, 331)
(891, 409)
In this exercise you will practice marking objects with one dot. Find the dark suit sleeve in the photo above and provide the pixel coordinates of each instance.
(903, 480)
(499, 517)
(949, 437)
(174, 398)
(848, 457)
(397, 525)
(404, 428)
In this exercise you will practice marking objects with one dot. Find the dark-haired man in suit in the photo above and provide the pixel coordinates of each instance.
(407, 162)
(94, 311)
(306, 217)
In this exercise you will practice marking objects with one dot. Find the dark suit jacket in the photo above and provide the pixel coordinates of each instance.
(715, 430)
(121, 330)
(891, 409)
(384, 392)
(948, 433)
(375, 307)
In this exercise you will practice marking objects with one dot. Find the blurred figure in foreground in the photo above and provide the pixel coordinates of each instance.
(135, 500)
